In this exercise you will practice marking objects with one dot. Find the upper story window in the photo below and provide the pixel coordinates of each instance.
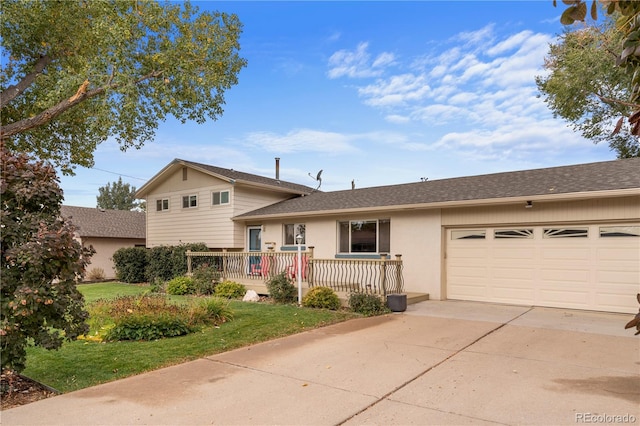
(291, 230)
(189, 201)
(162, 204)
(364, 236)
(221, 197)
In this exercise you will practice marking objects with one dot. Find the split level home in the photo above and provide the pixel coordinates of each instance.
(564, 237)
(106, 231)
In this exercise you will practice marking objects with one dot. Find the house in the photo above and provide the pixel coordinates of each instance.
(560, 237)
(106, 231)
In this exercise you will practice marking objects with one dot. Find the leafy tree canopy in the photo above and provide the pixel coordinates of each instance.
(627, 22)
(76, 72)
(117, 196)
(40, 262)
(586, 87)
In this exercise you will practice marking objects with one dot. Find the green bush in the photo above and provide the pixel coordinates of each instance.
(179, 258)
(230, 290)
(180, 286)
(367, 304)
(159, 263)
(205, 279)
(131, 264)
(139, 326)
(281, 289)
(212, 310)
(321, 297)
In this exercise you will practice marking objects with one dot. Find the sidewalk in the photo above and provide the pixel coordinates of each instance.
(438, 363)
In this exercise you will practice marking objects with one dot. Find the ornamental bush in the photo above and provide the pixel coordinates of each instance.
(205, 279)
(321, 297)
(180, 286)
(367, 304)
(130, 264)
(281, 289)
(230, 290)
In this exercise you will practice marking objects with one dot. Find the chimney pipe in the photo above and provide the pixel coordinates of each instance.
(277, 168)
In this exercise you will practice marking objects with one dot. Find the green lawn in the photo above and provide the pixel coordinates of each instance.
(81, 364)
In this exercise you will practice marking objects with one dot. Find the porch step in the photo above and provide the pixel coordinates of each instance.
(416, 297)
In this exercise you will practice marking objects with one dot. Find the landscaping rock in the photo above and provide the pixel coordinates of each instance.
(251, 296)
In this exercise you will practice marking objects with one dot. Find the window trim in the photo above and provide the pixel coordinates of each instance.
(161, 202)
(377, 252)
(213, 197)
(189, 202)
(296, 229)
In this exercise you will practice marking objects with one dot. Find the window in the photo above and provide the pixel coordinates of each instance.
(290, 232)
(566, 233)
(364, 236)
(162, 204)
(620, 231)
(468, 234)
(513, 233)
(189, 201)
(221, 197)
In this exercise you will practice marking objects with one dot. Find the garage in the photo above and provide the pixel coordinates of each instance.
(581, 266)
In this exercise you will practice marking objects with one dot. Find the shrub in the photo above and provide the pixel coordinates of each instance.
(179, 258)
(96, 274)
(367, 304)
(180, 286)
(205, 279)
(321, 297)
(131, 264)
(230, 289)
(159, 264)
(281, 289)
(212, 310)
(139, 326)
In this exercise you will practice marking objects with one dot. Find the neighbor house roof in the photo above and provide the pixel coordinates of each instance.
(93, 222)
(618, 177)
(230, 175)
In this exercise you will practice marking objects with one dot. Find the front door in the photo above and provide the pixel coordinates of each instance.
(254, 235)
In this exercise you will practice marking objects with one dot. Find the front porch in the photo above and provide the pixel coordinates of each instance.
(381, 276)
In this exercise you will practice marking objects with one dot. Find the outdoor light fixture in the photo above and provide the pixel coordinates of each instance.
(528, 205)
(299, 268)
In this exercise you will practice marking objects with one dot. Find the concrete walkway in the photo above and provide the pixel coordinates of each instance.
(438, 363)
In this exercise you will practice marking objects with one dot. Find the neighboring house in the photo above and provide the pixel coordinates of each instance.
(559, 237)
(106, 231)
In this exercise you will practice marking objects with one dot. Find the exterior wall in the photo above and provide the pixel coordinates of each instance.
(105, 247)
(604, 209)
(415, 235)
(205, 223)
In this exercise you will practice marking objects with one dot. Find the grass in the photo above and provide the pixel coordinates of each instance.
(81, 364)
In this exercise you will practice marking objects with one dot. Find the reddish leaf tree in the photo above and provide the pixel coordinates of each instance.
(41, 262)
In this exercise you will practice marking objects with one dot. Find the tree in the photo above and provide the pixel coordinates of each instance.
(627, 22)
(77, 72)
(40, 261)
(117, 196)
(587, 88)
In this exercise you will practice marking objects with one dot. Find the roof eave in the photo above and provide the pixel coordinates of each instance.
(457, 203)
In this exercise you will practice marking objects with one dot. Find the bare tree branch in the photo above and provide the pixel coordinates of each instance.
(12, 92)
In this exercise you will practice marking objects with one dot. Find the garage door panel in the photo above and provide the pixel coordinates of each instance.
(594, 272)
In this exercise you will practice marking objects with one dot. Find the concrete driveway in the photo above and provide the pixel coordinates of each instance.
(437, 363)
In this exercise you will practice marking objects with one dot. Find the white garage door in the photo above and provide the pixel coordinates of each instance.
(593, 267)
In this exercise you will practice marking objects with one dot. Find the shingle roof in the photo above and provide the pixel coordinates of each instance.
(106, 223)
(602, 176)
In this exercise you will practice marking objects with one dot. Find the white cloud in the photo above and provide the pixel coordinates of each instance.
(301, 140)
(358, 64)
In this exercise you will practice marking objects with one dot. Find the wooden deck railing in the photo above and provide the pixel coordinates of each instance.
(377, 276)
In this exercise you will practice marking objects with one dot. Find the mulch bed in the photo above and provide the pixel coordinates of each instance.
(20, 390)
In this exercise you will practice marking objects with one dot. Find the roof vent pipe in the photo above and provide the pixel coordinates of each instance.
(277, 168)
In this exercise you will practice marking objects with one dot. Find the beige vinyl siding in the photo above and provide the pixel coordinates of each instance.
(626, 208)
(205, 223)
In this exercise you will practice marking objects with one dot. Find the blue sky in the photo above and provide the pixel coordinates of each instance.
(377, 92)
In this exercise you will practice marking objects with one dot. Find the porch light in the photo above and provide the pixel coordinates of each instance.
(299, 265)
(528, 205)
